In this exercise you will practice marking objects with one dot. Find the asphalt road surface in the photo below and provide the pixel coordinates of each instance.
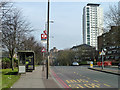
(81, 77)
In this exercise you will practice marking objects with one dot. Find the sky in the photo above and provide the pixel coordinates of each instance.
(66, 31)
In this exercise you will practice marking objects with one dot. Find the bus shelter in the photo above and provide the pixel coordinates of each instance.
(26, 61)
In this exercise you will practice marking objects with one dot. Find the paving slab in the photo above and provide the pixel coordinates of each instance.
(31, 79)
(50, 82)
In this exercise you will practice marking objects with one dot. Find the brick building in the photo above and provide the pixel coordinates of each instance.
(110, 41)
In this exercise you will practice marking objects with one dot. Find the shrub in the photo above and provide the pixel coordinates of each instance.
(15, 62)
(6, 63)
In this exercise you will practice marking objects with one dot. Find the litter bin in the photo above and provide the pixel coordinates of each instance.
(26, 61)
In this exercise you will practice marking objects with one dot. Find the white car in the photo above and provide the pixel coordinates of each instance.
(75, 64)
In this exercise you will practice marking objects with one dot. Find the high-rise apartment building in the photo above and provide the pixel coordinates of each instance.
(92, 23)
(118, 4)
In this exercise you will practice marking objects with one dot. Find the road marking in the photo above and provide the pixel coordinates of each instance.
(107, 85)
(84, 80)
(60, 80)
(74, 81)
(88, 78)
(96, 81)
(67, 81)
(80, 86)
(87, 86)
(84, 76)
(95, 85)
(71, 81)
(92, 85)
(69, 85)
(78, 80)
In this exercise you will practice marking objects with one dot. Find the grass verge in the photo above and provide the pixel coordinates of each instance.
(37, 65)
(9, 77)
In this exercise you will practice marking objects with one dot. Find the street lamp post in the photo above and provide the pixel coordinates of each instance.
(47, 61)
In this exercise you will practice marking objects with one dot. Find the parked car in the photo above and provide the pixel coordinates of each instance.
(75, 64)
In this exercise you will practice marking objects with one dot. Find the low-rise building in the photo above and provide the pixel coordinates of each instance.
(85, 52)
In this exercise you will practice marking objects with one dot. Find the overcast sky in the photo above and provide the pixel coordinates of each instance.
(67, 17)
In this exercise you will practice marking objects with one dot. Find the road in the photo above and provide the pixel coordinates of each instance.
(81, 77)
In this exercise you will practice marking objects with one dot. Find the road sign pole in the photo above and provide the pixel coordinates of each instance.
(102, 62)
(43, 61)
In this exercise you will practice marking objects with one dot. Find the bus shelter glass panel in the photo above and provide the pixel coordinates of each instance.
(29, 58)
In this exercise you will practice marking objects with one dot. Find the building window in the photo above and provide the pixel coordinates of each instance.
(88, 36)
(88, 43)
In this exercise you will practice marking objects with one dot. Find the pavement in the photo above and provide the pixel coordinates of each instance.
(35, 79)
(107, 70)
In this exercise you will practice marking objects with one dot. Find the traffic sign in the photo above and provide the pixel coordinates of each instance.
(43, 50)
(45, 32)
(43, 36)
(102, 53)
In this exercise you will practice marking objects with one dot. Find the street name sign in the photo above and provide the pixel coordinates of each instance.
(45, 32)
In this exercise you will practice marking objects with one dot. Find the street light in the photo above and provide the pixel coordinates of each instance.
(47, 62)
(47, 23)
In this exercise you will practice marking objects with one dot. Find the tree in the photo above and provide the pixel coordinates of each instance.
(112, 16)
(14, 27)
(31, 44)
(65, 57)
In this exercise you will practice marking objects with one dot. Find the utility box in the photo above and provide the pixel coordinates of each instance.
(26, 61)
